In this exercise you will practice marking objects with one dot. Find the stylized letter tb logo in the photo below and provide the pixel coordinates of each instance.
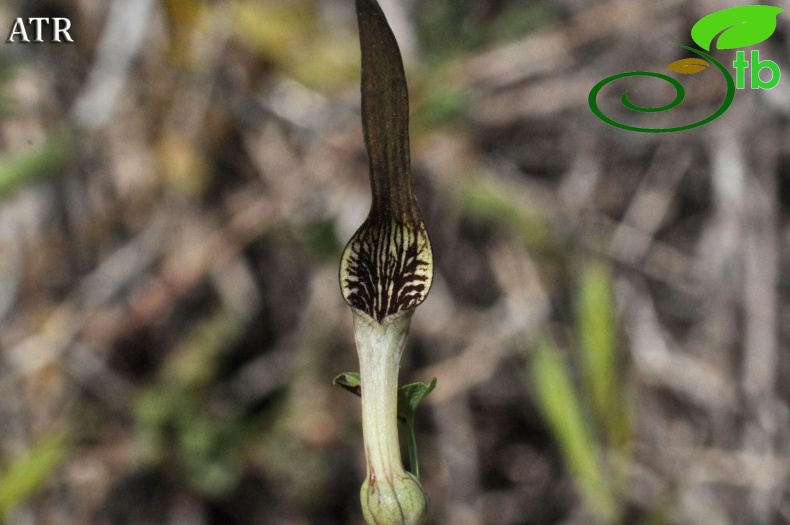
(757, 65)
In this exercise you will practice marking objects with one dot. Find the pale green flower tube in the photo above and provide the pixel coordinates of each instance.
(390, 494)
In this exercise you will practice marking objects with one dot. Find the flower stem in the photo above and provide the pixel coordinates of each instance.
(414, 462)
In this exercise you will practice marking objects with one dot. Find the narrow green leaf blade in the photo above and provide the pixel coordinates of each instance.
(20, 168)
(25, 475)
(597, 341)
(409, 397)
(562, 409)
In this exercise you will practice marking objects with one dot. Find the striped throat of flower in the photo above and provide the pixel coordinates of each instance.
(387, 266)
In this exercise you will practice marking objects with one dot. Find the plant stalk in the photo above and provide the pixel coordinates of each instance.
(390, 494)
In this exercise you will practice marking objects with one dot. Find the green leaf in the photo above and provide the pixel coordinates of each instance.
(739, 26)
(25, 475)
(409, 396)
(349, 381)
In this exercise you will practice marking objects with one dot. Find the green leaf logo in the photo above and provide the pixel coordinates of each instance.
(739, 26)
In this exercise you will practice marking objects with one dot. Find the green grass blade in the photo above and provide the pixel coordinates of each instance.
(562, 408)
(611, 397)
(28, 166)
(25, 475)
(597, 343)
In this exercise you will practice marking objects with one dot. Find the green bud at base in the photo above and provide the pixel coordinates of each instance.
(397, 501)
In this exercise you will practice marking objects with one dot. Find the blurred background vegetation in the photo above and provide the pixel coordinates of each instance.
(609, 322)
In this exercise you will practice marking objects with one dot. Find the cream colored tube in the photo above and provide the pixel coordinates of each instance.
(390, 495)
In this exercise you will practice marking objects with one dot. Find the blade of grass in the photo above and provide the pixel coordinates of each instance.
(27, 474)
(486, 199)
(610, 397)
(562, 408)
(28, 166)
(597, 344)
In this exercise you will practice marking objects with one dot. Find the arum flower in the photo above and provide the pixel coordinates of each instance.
(385, 272)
